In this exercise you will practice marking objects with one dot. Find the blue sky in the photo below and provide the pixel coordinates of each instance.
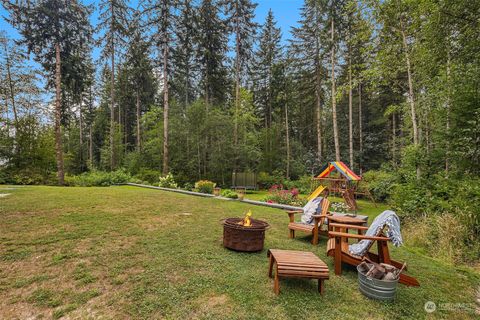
(286, 13)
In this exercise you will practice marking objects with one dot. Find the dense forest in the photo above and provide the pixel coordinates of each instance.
(200, 90)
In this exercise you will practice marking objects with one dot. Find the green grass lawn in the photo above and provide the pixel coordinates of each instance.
(127, 252)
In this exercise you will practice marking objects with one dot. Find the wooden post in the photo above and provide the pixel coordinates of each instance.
(315, 232)
(383, 254)
(338, 256)
(270, 267)
(321, 286)
(276, 284)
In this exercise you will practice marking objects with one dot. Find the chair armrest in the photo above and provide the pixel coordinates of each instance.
(356, 236)
(348, 226)
(294, 211)
(318, 216)
(291, 214)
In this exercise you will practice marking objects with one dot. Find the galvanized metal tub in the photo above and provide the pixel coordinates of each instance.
(377, 289)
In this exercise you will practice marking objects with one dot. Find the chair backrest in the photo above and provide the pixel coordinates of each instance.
(370, 244)
(325, 207)
(376, 234)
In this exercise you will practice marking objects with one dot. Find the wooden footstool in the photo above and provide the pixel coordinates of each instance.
(296, 264)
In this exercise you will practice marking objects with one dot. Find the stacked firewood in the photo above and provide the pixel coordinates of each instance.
(380, 271)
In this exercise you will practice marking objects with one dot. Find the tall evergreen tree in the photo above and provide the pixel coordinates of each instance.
(335, 22)
(266, 59)
(18, 91)
(211, 52)
(240, 14)
(308, 48)
(53, 30)
(161, 13)
(185, 71)
(139, 67)
(114, 16)
(268, 54)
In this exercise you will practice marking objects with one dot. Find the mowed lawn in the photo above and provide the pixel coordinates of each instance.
(132, 253)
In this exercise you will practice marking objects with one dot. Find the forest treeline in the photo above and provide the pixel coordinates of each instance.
(199, 89)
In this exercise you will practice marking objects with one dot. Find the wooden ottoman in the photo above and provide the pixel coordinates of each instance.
(296, 264)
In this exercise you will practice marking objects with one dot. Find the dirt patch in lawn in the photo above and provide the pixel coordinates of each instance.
(212, 306)
(175, 278)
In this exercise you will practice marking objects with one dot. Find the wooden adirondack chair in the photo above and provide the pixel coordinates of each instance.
(337, 247)
(314, 229)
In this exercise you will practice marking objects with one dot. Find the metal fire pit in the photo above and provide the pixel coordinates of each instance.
(240, 238)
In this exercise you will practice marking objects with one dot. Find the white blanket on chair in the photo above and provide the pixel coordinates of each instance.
(386, 218)
(312, 207)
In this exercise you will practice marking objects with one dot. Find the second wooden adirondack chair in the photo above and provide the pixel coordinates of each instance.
(338, 247)
(313, 229)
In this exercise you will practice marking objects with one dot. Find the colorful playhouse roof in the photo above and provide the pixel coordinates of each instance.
(341, 167)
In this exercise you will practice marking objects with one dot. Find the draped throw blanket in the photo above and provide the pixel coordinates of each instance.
(312, 207)
(386, 218)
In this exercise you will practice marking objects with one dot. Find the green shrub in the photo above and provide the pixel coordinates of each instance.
(306, 184)
(119, 176)
(98, 178)
(266, 180)
(167, 182)
(30, 176)
(188, 186)
(227, 193)
(3, 177)
(441, 215)
(204, 186)
(289, 184)
(381, 184)
(147, 175)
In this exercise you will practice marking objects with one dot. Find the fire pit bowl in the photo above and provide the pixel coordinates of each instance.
(240, 238)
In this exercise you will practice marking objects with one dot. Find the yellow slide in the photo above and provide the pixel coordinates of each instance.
(316, 193)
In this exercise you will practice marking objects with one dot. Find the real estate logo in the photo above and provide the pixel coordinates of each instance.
(430, 306)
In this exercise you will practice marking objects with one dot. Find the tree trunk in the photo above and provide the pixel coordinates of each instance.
(287, 135)
(80, 125)
(125, 130)
(187, 81)
(58, 114)
(237, 88)
(350, 110)
(80, 129)
(7, 117)
(165, 106)
(411, 96)
(11, 87)
(319, 128)
(394, 140)
(139, 138)
(360, 127)
(90, 146)
(207, 88)
(112, 111)
(334, 103)
(318, 90)
(119, 103)
(447, 125)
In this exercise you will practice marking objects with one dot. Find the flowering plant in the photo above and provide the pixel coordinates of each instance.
(339, 207)
(205, 186)
(276, 194)
(167, 182)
